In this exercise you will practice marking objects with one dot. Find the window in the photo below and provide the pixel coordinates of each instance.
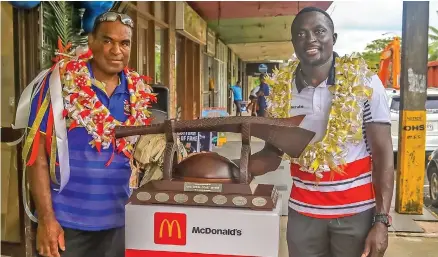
(431, 104)
(395, 104)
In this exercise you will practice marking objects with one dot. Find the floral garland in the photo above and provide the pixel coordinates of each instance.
(85, 109)
(350, 92)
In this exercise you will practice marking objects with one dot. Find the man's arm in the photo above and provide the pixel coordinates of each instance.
(38, 175)
(379, 139)
(264, 161)
(260, 93)
(39, 182)
(377, 121)
(50, 236)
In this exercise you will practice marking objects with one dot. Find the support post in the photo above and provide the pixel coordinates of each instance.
(412, 130)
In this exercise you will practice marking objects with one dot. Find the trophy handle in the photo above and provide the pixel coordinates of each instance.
(245, 153)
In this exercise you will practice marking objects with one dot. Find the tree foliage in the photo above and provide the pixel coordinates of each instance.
(61, 20)
(433, 43)
(372, 52)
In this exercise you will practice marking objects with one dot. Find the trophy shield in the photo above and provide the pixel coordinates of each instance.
(209, 179)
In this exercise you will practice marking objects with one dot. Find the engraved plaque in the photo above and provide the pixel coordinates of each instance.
(239, 200)
(181, 198)
(219, 199)
(144, 196)
(200, 198)
(259, 201)
(162, 197)
(202, 187)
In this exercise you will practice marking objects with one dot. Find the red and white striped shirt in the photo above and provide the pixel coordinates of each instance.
(340, 195)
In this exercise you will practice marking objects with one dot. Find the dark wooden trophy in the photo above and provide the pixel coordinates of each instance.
(209, 179)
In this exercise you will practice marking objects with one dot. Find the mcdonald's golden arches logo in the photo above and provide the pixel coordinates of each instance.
(170, 228)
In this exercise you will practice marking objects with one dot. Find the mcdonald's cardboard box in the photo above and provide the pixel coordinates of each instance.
(176, 231)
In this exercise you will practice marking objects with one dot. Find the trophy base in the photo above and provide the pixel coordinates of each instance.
(252, 196)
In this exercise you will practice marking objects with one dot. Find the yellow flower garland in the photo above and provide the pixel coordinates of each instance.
(350, 92)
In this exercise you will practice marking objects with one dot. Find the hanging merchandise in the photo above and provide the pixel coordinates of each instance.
(26, 5)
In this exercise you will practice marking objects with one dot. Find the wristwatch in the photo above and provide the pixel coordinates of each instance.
(384, 218)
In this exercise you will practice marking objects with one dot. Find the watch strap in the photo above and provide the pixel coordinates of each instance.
(382, 218)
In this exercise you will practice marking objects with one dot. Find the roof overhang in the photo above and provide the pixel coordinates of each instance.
(255, 31)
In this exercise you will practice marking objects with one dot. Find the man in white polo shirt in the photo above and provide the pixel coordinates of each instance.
(335, 210)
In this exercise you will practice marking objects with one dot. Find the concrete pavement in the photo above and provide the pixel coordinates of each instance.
(401, 223)
(398, 246)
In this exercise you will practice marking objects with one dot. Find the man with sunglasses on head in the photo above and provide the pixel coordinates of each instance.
(96, 92)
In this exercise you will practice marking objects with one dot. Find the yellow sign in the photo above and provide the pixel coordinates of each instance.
(411, 163)
(170, 228)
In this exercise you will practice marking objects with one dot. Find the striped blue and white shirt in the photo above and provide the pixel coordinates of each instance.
(95, 195)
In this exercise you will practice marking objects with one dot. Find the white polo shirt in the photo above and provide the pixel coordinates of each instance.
(315, 103)
(255, 90)
(338, 195)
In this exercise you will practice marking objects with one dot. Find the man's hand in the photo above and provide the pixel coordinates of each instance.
(377, 241)
(268, 159)
(49, 233)
(50, 238)
(379, 139)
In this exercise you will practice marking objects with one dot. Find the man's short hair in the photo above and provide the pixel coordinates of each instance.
(313, 9)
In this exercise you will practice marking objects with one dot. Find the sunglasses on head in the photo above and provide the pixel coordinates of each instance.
(113, 16)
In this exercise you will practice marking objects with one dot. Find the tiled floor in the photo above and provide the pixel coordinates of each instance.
(398, 246)
(401, 222)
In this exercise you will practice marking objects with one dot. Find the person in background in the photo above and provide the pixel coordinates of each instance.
(261, 96)
(237, 94)
(252, 106)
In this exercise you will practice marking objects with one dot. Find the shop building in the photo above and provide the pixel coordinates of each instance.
(194, 50)
(252, 33)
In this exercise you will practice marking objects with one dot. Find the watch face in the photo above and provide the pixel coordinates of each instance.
(383, 219)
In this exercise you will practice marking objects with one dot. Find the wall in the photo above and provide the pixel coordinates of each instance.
(190, 67)
(10, 221)
(153, 50)
(222, 61)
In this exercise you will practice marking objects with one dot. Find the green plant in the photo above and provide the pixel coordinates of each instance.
(372, 52)
(60, 21)
(433, 45)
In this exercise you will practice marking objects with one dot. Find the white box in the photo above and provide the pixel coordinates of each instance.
(171, 230)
